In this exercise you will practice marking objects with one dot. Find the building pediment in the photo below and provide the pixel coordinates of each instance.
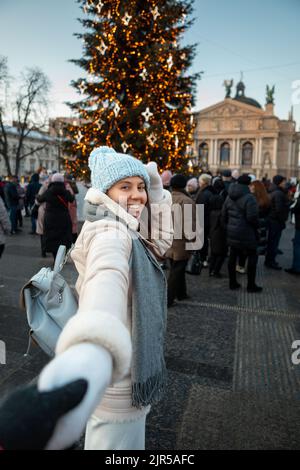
(230, 109)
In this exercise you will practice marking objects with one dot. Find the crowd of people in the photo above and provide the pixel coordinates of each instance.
(49, 200)
(243, 218)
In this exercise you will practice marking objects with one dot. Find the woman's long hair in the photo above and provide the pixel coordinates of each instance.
(261, 194)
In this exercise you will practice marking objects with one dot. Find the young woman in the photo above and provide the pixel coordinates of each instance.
(115, 341)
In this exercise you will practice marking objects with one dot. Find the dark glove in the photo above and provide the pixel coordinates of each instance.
(28, 417)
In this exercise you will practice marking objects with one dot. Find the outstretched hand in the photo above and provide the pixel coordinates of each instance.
(28, 417)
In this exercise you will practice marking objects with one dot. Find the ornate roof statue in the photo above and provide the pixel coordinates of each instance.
(228, 84)
(270, 94)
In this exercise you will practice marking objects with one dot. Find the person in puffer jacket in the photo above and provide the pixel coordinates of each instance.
(240, 217)
(116, 339)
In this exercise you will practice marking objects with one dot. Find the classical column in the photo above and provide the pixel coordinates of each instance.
(259, 153)
(255, 154)
(211, 153)
(232, 153)
(238, 149)
(275, 161)
(215, 154)
(290, 151)
(293, 159)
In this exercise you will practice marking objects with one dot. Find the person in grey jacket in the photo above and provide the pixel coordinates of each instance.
(5, 226)
(240, 217)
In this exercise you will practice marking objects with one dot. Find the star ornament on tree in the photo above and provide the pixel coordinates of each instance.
(155, 13)
(152, 139)
(79, 137)
(100, 123)
(144, 74)
(125, 147)
(170, 62)
(82, 87)
(99, 7)
(147, 114)
(102, 48)
(126, 19)
(116, 109)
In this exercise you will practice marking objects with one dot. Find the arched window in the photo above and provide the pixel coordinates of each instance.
(247, 154)
(225, 153)
(203, 152)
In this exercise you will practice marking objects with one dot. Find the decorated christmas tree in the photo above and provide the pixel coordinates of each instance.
(136, 93)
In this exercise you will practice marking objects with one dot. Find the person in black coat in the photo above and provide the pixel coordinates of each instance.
(57, 222)
(240, 217)
(227, 180)
(218, 246)
(258, 189)
(12, 202)
(31, 192)
(278, 216)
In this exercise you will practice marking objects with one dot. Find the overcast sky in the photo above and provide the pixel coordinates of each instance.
(260, 38)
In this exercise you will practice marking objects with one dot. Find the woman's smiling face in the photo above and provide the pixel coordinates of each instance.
(131, 194)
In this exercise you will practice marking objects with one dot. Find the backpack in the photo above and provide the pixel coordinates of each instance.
(49, 303)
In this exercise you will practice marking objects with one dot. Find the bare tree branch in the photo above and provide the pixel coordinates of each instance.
(32, 152)
(31, 107)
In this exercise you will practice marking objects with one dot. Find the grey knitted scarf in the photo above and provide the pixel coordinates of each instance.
(149, 316)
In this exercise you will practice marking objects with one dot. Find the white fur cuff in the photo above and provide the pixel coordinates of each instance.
(104, 330)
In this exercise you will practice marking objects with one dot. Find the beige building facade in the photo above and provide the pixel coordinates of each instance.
(237, 133)
(39, 150)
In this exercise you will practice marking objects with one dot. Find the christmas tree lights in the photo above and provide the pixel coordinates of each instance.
(136, 96)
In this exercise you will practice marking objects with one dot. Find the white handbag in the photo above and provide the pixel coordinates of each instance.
(49, 303)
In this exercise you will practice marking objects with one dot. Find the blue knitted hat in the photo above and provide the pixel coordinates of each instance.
(108, 167)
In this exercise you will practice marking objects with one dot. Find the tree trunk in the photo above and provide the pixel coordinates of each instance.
(17, 167)
(6, 160)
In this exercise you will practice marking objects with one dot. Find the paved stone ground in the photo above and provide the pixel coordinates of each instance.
(232, 384)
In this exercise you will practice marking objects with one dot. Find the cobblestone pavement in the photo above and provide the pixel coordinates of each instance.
(232, 384)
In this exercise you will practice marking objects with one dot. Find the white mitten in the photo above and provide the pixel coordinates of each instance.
(156, 187)
(86, 361)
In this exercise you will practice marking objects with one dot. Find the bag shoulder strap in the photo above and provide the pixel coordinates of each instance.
(62, 257)
(61, 199)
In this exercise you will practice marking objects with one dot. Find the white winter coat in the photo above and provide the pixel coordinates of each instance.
(101, 256)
